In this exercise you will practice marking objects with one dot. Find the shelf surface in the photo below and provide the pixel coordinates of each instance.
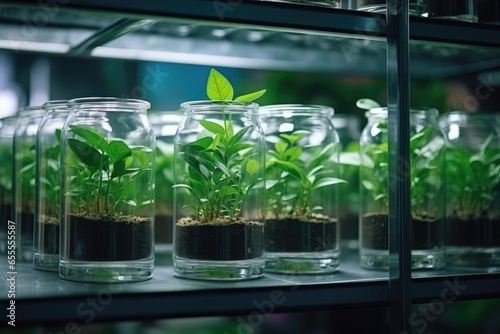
(43, 297)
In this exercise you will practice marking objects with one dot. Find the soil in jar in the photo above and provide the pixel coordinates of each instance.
(110, 238)
(312, 234)
(426, 232)
(473, 232)
(221, 240)
(48, 231)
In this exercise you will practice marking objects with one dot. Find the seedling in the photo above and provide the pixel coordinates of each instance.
(426, 151)
(292, 176)
(106, 173)
(473, 180)
(50, 178)
(222, 168)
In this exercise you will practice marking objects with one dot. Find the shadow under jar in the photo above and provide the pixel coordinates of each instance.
(48, 186)
(108, 161)
(473, 189)
(426, 169)
(302, 228)
(219, 195)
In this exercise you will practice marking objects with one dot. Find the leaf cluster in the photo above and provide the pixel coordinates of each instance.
(473, 179)
(292, 177)
(49, 179)
(105, 172)
(222, 167)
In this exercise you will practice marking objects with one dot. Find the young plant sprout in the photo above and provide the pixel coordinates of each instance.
(106, 173)
(221, 166)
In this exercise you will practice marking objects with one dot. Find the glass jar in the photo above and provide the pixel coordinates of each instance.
(461, 10)
(302, 228)
(473, 188)
(107, 182)
(29, 119)
(165, 125)
(7, 129)
(416, 7)
(48, 186)
(219, 195)
(427, 191)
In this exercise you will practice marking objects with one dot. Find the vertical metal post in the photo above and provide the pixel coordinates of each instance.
(398, 86)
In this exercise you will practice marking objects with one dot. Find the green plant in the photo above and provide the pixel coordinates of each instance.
(222, 168)
(425, 171)
(26, 163)
(473, 180)
(292, 176)
(106, 173)
(50, 179)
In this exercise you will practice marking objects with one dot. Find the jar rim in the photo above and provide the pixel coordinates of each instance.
(212, 105)
(25, 110)
(290, 107)
(56, 105)
(108, 102)
(413, 111)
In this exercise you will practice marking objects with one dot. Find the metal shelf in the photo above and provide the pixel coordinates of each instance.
(42, 297)
(251, 34)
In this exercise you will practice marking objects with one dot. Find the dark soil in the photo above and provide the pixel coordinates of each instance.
(48, 230)
(226, 241)
(296, 235)
(479, 232)
(426, 233)
(110, 239)
(163, 228)
(27, 220)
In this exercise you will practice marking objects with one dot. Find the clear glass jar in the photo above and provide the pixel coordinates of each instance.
(108, 161)
(7, 129)
(302, 228)
(48, 186)
(219, 195)
(416, 7)
(427, 146)
(461, 10)
(29, 119)
(473, 188)
(165, 125)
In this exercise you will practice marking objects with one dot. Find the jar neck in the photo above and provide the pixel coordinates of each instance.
(219, 107)
(290, 110)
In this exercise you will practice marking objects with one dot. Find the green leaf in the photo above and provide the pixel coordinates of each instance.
(367, 104)
(232, 150)
(117, 150)
(350, 158)
(87, 154)
(280, 147)
(327, 181)
(293, 153)
(238, 136)
(218, 87)
(252, 167)
(199, 145)
(251, 96)
(213, 127)
(288, 197)
(142, 156)
(368, 185)
(271, 183)
(58, 133)
(290, 168)
(91, 136)
(226, 190)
